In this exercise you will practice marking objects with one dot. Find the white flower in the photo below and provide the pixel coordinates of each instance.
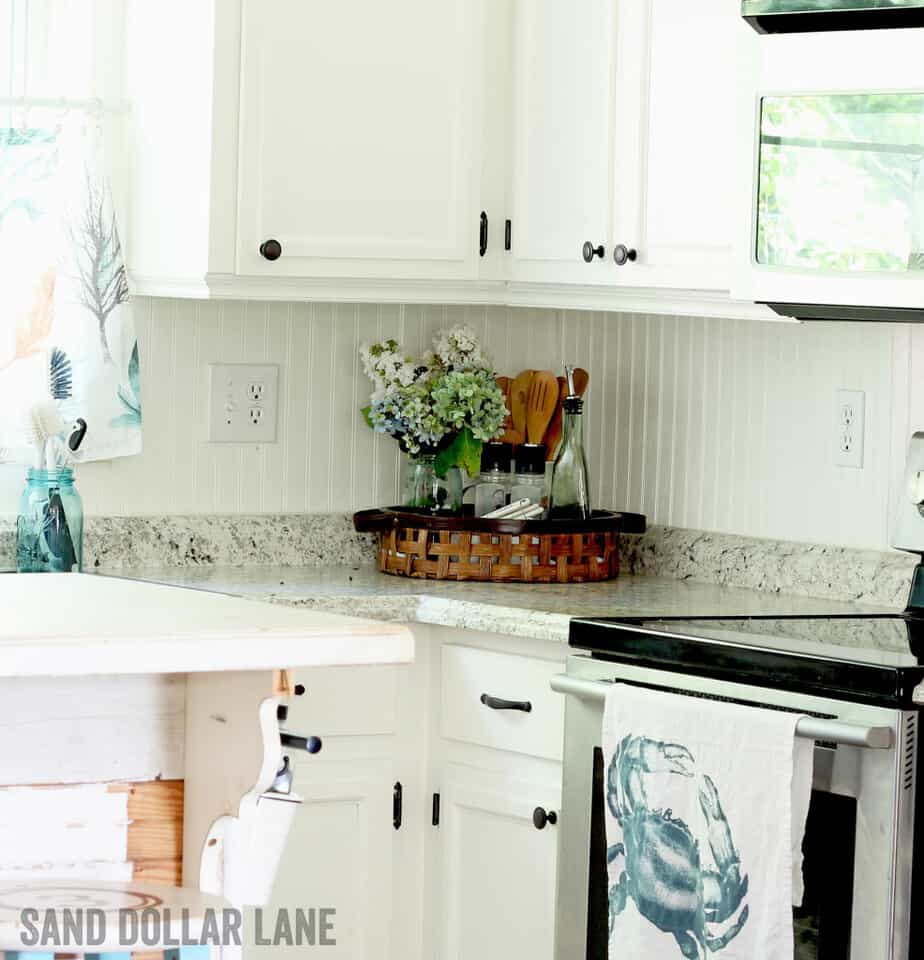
(458, 349)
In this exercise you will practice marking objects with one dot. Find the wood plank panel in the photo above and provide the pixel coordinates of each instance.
(75, 729)
(154, 842)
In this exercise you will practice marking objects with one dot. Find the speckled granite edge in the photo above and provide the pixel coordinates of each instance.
(119, 543)
(777, 566)
(443, 612)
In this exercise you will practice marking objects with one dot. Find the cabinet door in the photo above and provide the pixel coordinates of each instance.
(360, 138)
(498, 869)
(674, 168)
(342, 846)
(563, 116)
(339, 857)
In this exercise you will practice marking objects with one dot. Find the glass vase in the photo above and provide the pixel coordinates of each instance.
(49, 528)
(424, 490)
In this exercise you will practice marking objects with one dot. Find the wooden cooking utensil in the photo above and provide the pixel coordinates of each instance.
(508, 435)
(540, 404)
(519, 396)
(553, 434)
(581, 378)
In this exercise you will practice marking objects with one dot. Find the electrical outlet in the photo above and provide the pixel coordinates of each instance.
(849, 428)
(243, 402)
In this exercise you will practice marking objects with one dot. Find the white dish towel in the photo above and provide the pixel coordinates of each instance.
(706, 804)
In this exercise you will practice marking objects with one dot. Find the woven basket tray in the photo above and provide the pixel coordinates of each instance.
(416, 544)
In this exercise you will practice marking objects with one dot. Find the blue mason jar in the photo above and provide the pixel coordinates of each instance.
(49, 528)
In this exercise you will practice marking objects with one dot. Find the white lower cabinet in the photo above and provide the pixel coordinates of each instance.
(479, 882)
(339, 859)
(497, 877)
(343, 850)
(497, 768)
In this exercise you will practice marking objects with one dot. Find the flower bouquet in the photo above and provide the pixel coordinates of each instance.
(440, 408)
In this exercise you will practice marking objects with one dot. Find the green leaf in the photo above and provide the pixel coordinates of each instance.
(367, 416)
(464, 451)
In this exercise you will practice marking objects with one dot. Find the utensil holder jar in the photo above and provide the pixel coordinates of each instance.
(49, 528)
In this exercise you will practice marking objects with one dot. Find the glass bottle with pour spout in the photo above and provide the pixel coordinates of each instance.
(569, 497)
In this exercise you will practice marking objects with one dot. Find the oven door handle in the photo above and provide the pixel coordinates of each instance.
(812, 728)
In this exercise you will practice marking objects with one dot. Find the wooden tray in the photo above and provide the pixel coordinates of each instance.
(415, 543)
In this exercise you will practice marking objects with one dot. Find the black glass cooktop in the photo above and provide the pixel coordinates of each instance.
(876, 659)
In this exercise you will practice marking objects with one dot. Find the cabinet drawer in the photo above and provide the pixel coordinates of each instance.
(470, 676)
(345, 701)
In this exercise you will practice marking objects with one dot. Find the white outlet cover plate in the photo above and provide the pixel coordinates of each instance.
(849, 428)
(230, 403)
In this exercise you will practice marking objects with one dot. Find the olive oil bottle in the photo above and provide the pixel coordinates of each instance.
(569, 497)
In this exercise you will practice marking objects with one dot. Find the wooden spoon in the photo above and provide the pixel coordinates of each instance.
(519, 395)
(581, 379)
(553, 434)
(508, 435)
(541, 404)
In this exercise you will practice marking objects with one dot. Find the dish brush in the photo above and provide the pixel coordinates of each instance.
(44, 428)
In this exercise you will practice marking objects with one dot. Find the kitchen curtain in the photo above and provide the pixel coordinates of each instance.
(66, 329)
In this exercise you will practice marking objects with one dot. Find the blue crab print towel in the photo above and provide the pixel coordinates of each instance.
(705, 811)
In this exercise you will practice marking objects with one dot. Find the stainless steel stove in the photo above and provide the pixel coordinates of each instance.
(858, 681)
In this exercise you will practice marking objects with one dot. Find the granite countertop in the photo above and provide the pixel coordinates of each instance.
(534, 611)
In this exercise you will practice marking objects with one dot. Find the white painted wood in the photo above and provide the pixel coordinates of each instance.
(563, 130)
(498, 871)
(53, 828)
(75, 729)
(674, 150)
(384, 179)
(467, 673)
(233, 752)
(102, 625)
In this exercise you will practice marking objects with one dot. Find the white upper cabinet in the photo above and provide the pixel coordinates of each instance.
(342, 140)
(675, 132)
(563, 128)
(360, 139)
(624, 118)
(304, 150)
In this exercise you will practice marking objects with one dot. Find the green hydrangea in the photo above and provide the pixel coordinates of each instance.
(470, 398)
(448, 403)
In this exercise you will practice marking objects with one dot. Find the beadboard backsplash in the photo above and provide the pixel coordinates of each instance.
(708, 424)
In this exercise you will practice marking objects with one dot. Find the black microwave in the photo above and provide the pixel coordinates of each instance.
(809, 16)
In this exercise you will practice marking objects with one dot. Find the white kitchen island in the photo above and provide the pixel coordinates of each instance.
(83, 625)
(242, 660)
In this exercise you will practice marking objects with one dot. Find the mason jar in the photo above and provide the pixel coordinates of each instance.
(424, 490)
(49, 528)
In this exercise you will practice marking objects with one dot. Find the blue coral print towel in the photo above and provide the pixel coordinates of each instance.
(64, 301)
(706, 805)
